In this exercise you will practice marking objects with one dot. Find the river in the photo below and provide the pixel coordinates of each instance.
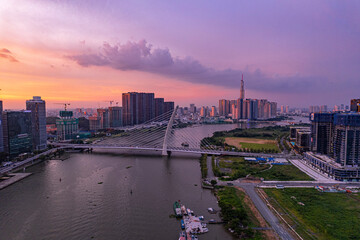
(108, 195)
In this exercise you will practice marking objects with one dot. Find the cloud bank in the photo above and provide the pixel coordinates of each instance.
(7, 54)
(141, 56)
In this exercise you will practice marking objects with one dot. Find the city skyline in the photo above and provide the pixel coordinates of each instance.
(289, 52)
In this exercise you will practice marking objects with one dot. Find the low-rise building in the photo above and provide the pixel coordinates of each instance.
(329, 166)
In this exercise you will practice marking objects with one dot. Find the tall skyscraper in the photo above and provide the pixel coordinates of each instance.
(159, 106)
(168, 106)
(239, 106)
(192, 108)
(355, 105)
(213, 112)
(224, 107)
(322, 128)
(38, 120)
(347, 139)
(17, 128)
(203, 111)
(129, 106)
(142, 107)
(242, 88)
(94, 123)
(282, 109)
(103, 114)
(115, 116)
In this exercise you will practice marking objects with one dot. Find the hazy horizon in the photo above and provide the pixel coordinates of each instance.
(87, 52)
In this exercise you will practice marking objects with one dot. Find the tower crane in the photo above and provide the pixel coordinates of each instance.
(110, 101)
(65, 105)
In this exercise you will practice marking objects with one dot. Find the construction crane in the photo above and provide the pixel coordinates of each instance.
(110, 101)
(65, 105)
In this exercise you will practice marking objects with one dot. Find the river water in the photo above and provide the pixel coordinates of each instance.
(108, 195)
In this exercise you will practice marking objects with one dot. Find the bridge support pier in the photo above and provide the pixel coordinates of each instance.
(165, 152)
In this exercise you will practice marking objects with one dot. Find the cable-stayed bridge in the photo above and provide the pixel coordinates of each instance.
(163, 133)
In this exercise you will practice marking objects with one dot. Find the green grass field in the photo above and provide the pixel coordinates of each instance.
(239, 167)
(259, 146)
(236, 212)
(324, 215)
(283, 173)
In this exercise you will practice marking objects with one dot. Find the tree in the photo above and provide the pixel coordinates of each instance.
(213, 182)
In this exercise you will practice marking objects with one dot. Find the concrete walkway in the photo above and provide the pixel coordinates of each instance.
(15, 177)
(301, 165)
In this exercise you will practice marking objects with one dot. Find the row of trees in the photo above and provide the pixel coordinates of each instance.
(234, 214)
(203, 165)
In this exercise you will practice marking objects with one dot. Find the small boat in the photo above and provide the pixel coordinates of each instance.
(177, 209)
(201, 218)
(194, 237)
(185, 144)
(182, 236)
(182, 224)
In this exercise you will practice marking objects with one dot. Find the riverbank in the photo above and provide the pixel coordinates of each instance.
(13, 178)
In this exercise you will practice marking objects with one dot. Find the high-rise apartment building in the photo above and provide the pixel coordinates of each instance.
(239, 110)
(337, 152)
(347, 139)
(169, 106)
(38, 119)
(141, 107)
(213, 112)
(248, 108)
(103, 114)
(282, 109)
(224, 107)
(323, 109)
(355, 105)
(159, 106)
(314, 109)
(67, 126)
(203, 111)
(322, 129)
(192, 108)
(94, 123)
(129, 108)
(17, 131)
(115, 117)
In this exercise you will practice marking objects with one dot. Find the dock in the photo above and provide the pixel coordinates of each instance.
(13, 178)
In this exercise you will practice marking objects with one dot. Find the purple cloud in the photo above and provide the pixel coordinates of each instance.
(141, 56)
(7, 54)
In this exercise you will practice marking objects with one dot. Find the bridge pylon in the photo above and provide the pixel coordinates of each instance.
(165, 152)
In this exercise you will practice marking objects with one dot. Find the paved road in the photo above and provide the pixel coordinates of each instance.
(7, 169)
(294, 184)
(315, 174)
(263, 209)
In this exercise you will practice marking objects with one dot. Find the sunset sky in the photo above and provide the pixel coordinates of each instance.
(85, 52)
